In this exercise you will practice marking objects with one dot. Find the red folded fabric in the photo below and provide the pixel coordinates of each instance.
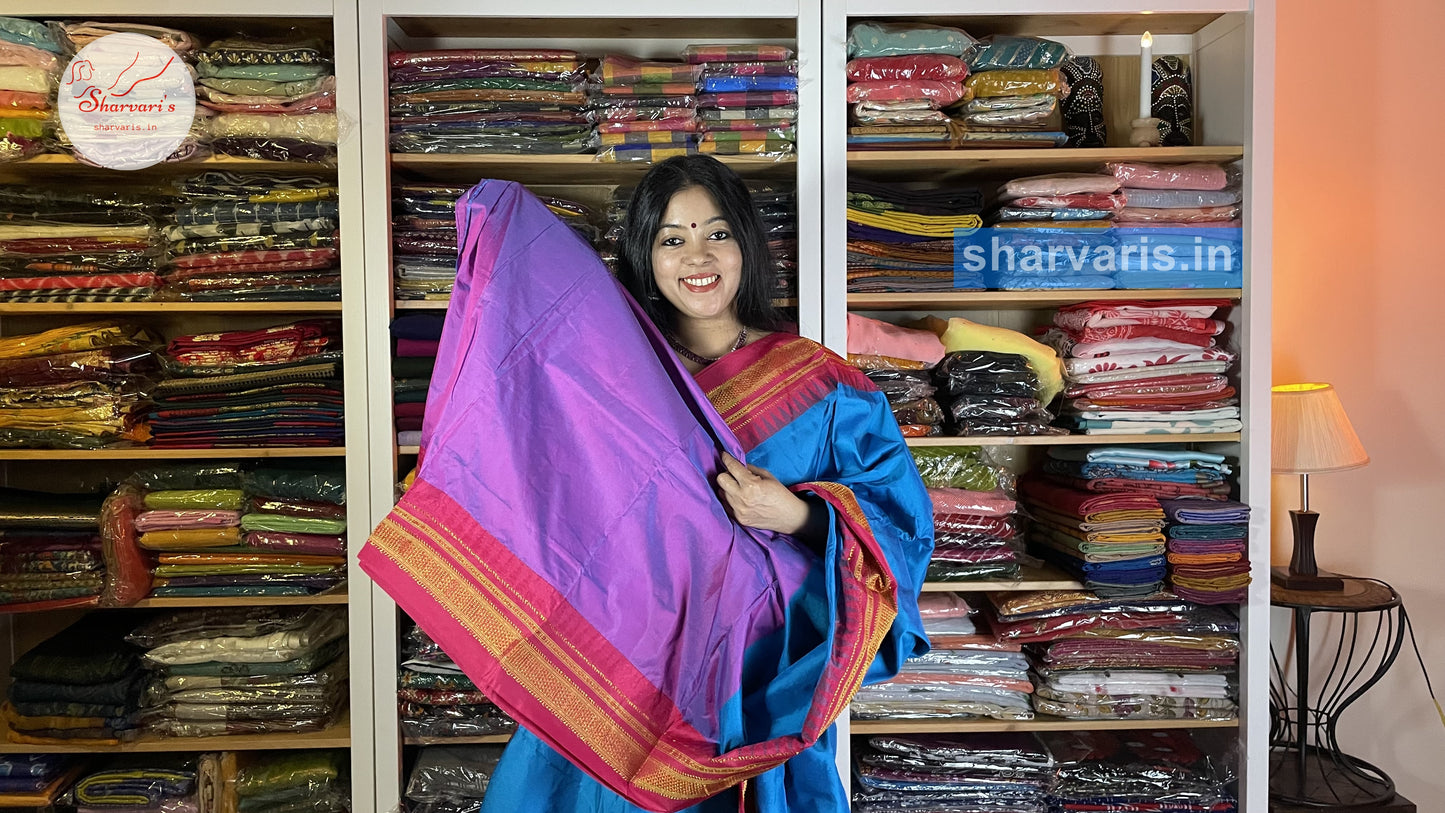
(1083, 504)
(144, 279)
(978, 524)
(961, 501)
(941, 92)
(417, 348)
(1176, 403)
(1155, 488)
(410, 410)
(225, 259)
(1178, 333)
(1160, 389)
(912, 66)
(283, 342)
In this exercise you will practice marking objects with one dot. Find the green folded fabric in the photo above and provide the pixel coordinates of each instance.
(221, 499)
(282, 774)
(299, 484)
(271, 73)
(170, 571)
(293, 525)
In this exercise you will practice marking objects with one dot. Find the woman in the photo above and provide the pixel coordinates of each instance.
(684, 627)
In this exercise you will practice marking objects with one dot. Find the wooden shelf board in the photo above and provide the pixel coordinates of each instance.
(165, 308)
(1025, 300)
(546, 23)
(563, 169)
(1099, 19)
(338, 596)
(484, 739)
(1037, 160)
(1046, 577)
(338, 736)
(1073, 440)
(147, 453)
(1039, 723)
(59, 162)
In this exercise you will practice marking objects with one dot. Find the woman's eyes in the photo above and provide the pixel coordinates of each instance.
(720, 234)
(673, 242)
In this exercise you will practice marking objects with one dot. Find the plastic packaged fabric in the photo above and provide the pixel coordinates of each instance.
(939, 92)
(919, 411)
(1017, 53)
(974, 410)
(454, 721)
(192, 625)
(963, 501)
(942, 571)
(448, 772)
(195, 499)
(935, 606)
(651, 153)
(1015, 83)
(1200, 177)
(697, 54)
(298, 484)
(275, 148)
(618, 69)
(995, 527)
(1160, 768)
(902, 385)
(170, 726)
(1053, 186)
(981, 372)
(939, 700)
(35, 34)
(911, 67)
(1200, 214)
(960, 467)
(903, 39)
(1032, 115)
(753, 68)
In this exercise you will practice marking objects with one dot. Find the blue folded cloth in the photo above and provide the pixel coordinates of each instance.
(1206, 512)
(1179, 279)
(731, 84)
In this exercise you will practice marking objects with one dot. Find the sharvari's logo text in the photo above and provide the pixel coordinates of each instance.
(127, 102)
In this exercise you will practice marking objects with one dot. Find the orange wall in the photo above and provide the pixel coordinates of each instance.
(1359, 301)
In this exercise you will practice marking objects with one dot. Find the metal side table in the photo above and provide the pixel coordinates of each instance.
(1307, 768)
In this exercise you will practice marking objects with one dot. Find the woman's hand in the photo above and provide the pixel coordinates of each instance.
(758, 500)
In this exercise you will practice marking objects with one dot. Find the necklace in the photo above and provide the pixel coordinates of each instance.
(691, 356)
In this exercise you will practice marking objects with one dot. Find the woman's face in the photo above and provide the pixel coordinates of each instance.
(696, 260)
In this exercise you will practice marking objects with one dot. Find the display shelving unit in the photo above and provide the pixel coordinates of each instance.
(334, 23)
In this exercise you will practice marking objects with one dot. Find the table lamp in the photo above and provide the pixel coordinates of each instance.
(1311, 435)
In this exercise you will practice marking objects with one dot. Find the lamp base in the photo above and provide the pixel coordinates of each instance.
(1323, 581)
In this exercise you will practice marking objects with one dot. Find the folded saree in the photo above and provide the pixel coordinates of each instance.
(662, 706)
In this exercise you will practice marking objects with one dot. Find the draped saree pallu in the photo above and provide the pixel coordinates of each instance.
(565, 545)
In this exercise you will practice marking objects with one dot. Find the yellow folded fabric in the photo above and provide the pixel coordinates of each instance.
(187, 538)
(961, 334)
(921, 225)
(1014, 83)
(71, 338)
(20, 722)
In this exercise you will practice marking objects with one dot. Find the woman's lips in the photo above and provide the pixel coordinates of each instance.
(703, 284)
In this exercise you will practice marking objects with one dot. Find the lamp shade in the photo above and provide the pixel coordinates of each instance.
(1311, 432)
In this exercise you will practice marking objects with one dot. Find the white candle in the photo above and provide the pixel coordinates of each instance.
(1146, 72)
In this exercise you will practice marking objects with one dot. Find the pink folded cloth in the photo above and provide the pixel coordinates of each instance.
(180, 520)
(962, 501)
(934, 606)
(1063, 183)
(871, 337)
(1084, 504)
(942, 92)
(1138, 175)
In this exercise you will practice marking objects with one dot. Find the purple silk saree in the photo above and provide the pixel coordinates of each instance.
(563, 541)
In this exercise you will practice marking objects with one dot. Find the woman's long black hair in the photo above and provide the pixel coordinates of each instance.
(644, 217)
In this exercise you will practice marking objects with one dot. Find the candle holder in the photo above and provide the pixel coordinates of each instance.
(1144, 133)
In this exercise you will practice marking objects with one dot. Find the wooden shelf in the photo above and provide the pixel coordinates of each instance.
(1025, 300)
(164, 308)
(338, 596)
(146, 453)
(1046, 577)
(62, 163)
(338, 736)
(484, 739)
(1074, 440)
(563, 169)
(951, 163)
(1039, 723)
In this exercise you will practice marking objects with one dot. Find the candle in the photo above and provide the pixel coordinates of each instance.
(1146, 72)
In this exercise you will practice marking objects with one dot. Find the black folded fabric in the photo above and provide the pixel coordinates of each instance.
(953, 200)
(89, 652)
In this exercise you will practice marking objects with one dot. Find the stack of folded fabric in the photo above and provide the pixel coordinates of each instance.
(82, 686)
(967, 673)
(417, 338)
(292, 782)
(275, 100)
(902, 237)
(963, 467)
(436, 699)
(65, 248)
(1145, 368)
(424, 240)
(278, 385)
(165, 786)
(988, 393)
(1189, 217)
(646, 110)
(960, 335)
(50, 551)
(1208, 550)
(1001, 773)
(484, 100)
(1113, 542)
(270, 238)
(1135, 367)
(29, 73)
(78, 386)
(1154, 658)
(1136, 771)
(451, 779)
(900, 76)
(26, 777)
(777, 207)
(897, 360)
(1159, 472)
(1015, 87)
(1052, 231)
(747, 98)
(78, 35)
(292, 660)
(976, 535)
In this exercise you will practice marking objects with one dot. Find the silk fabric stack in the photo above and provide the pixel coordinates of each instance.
(1138, 771)
(488, 100)
(79, 386)
(82, 686)
(78, 246)
(1113, 543)
(747, 97)
(1053, 232)
(451, 778)
(1193, 210)
(1164, 473)
(646, 109)
(1015, 89)
(30, 70)
(415, 337)
(273, 100)
(248, 237)
(51, 554)
(777, 206)
(279, 385)
(900, 76)
(424, 240)
(436, 699)
(988, 393)
(167, 785)
(953, 773)
(1146, 368)
(291, 661)
(901, 237)
(977, 535)
(1208, 550)
(27, 776)
(280, 781)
